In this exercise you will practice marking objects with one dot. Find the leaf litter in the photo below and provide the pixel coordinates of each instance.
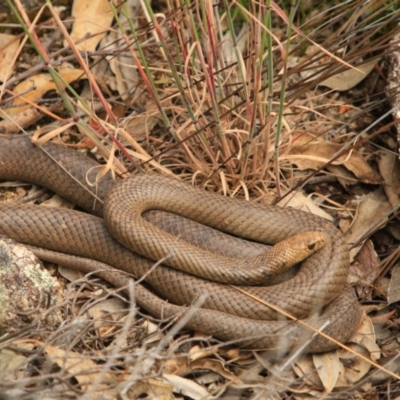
(105, 345)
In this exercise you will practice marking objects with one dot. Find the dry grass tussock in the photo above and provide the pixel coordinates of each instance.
(268, 102)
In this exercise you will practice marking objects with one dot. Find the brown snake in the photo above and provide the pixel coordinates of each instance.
(226, 315)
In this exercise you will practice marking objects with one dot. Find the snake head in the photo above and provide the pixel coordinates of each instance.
(294, 249)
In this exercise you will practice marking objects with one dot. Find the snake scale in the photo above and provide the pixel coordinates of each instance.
(227, 314)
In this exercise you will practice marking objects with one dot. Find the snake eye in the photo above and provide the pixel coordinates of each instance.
(311, 246)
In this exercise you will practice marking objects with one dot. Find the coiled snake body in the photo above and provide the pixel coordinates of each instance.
(228, 314)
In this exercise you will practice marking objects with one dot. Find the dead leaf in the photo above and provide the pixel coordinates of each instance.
(240, 41)
(12, 365)
(366, 337)
(171, 365)
(341, 81)
(8, 48)
(384, 319)
(389, 167)
(357, 369)
(211, 365)
(351, 77)
(153, 333)
(393, 228)
(231, 354)
(89, 374)
(372, 213)
(92, 18)
(70, 274)
(363, 342)
(305, 370)
(187, 387)
(300, 202)
(57, 201)
(340, 369)
(111, 310)
(394, 285)
(35, 87)
(365, 269)
(197, 353)
(344, 176)
(379, 376)
(151, 389)
(328, 368)
(121, 64)
(311, 152)
(14, 123)
(142, 124)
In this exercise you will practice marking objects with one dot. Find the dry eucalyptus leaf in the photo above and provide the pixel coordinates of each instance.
(372, 213)
(359, 368)
(210, 365)
(363, 342)
(393, 228)
(8, 48)
(340, 368)
(171, 365)
(393, 365)
(89, 374)
(12, 365)
(311, 152)
(389, 167)
(305, 369)
(197, 353)
(106, 312)
(153, 332)
(14, 124)
(366, 337)
(341, 81)
(351, 77)
(122, 65)
(300, 202)
(70, 274)
(311, 395)
(57, 201)
(394, 285)
(187, 387)
(31, 89)
(112, 308)
(208, 378)
(92, 18)
(241, 39)
(35, 87)
(328, 368)
(344, 176)
(365, 269)
(142, 124)
(151, 389)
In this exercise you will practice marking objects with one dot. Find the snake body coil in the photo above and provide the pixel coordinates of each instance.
(321, 280)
